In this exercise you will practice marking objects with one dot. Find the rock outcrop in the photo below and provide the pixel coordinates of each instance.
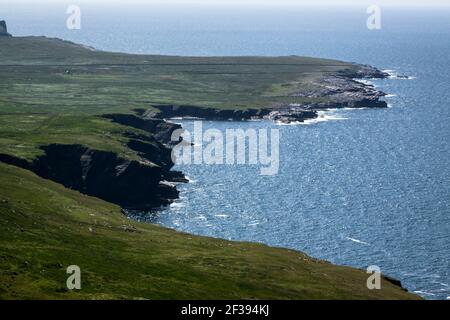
(143, 184)
(186, 111)
(335, 90)
(132, 184)
(341, 91)
(4, 29)
(161, 130)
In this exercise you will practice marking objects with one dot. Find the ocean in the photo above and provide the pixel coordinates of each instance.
(359, 188)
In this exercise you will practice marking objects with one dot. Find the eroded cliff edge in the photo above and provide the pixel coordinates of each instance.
(337, 90)
(143, 184)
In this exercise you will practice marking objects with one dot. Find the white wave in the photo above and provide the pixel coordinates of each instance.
(222, 215)
(167, 183)
(393, 74)
(219, 184)
(177, 205)
(293, 123)
(357, 241)
(190, 180)
(397, 77)
(353, 109)
(390, 95)
(424, 292)
(322, 116)
(365, 81)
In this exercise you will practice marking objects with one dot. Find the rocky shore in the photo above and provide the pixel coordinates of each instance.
(340, 90)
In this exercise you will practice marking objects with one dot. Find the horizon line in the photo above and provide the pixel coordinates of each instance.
(140, 3)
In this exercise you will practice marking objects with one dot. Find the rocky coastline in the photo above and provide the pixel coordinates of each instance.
(150, 183)
(341, 90)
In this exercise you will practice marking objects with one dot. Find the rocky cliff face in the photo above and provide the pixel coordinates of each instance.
(185, 111)
(160, 129)
(133, 184)
(283, 113)
(4, 29)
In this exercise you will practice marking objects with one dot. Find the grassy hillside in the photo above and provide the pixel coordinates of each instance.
(44, 228)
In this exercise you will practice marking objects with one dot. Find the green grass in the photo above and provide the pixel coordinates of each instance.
(44, 228)
(22, 134)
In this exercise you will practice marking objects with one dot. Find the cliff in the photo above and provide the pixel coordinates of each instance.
(331, 91)
(143, 184)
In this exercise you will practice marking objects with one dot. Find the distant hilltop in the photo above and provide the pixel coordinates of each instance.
(4, 29)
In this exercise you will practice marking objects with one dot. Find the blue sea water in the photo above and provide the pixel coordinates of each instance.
(367, 187)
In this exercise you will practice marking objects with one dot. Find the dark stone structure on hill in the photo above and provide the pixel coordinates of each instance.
(4, 29)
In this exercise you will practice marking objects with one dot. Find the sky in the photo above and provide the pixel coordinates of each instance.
(242, 2)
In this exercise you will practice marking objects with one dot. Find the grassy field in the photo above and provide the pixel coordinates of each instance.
(54, 91)
(97, 81)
